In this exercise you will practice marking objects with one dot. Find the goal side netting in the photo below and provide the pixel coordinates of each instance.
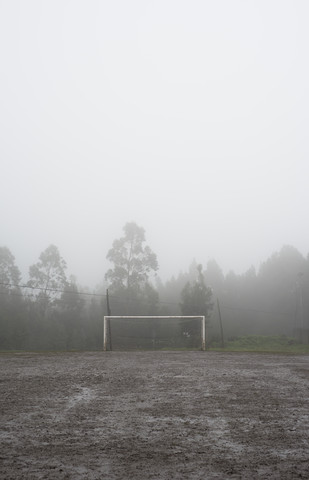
(154, 332)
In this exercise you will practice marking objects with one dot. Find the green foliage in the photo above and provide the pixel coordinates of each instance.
(129, 278)
(196, 297)
(255, 307)
(9, 272)
(48, 274)
(262, 343)
(70, 312)
(133, 262)
(11, 315)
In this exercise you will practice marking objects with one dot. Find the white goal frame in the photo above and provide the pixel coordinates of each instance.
(155, 317)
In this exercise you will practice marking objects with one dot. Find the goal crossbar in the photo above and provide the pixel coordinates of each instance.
(154, 317)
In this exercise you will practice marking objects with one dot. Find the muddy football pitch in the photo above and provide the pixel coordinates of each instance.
(154, 415)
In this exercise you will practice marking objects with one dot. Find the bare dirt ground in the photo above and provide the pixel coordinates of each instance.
(154, 415)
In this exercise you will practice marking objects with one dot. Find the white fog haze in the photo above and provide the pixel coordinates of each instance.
(188, 118)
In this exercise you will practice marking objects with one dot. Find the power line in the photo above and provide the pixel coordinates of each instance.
(12, 294)
(56, 290)
(118, 298)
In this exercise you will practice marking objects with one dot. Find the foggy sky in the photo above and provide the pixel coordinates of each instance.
(188, 117)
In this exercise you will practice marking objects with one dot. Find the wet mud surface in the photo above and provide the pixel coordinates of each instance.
(154, 415)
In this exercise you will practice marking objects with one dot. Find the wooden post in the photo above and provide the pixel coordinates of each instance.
(104, 333)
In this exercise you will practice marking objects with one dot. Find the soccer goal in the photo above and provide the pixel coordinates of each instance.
(154, 332)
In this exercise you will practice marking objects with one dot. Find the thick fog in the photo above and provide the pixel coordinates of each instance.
(188, 117)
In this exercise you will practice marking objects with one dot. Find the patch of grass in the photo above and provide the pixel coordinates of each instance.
(260, 343)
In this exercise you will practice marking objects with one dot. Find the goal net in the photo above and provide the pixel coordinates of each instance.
(154, 332)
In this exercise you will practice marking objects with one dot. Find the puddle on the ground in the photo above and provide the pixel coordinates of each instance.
(83, 396)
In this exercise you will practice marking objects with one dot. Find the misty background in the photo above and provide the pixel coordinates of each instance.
(188, 118)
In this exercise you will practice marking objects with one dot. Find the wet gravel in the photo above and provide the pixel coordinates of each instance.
(154, 415)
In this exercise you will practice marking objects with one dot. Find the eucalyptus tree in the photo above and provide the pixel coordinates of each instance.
(133, 264)
(9, 272)
(11, 302)
(47, 277)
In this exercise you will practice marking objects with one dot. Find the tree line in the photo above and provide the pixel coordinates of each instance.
(49, 311)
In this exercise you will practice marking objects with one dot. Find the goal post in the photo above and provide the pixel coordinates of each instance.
(109, 318)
